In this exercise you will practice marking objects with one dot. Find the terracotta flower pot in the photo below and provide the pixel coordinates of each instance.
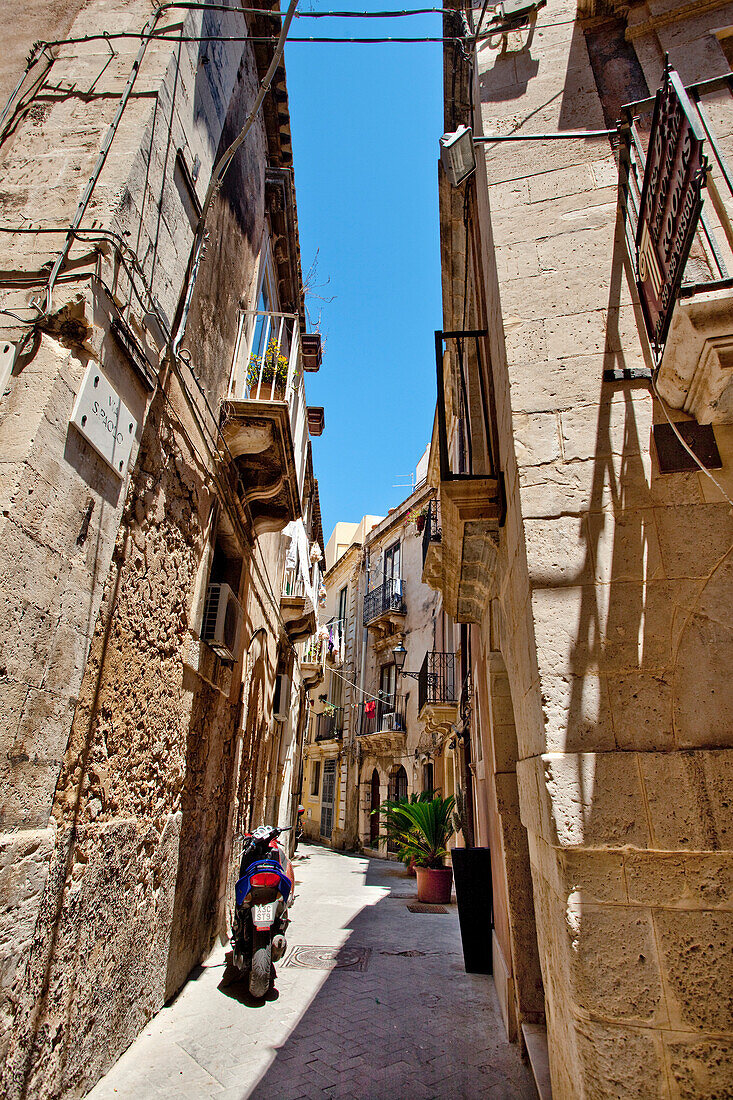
(434, 885)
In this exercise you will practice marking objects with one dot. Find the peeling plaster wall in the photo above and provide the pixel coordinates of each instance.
(119, 762)
(613, 604)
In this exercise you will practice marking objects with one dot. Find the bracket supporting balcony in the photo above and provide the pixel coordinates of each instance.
(258, 438)
(472, 512)
(696, 371)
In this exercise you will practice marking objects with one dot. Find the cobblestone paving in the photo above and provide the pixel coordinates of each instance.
(383, 1010)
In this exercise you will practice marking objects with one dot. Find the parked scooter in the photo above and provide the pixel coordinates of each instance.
(263, 895)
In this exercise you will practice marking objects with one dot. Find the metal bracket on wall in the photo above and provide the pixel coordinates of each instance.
(628, 374)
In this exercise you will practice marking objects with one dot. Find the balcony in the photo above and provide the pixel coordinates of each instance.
(696, 358)
(296, 608)
(385, 610)
(336, 642)
(472, 502)
(312, 661)
(264, 420)
(330, 726)
(381, 724)
(432, 537)
(438, 692)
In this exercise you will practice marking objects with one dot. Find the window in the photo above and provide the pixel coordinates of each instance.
(316, 777)
(342, 605)
(428, 781)
(266, 302)
(388, 683)
(392, 563)
(398, 785)
(336, 694)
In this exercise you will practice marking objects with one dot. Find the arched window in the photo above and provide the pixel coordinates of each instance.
(398, 784)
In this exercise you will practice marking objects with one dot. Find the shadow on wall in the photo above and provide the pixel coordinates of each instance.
(646, 618)
(513, 67)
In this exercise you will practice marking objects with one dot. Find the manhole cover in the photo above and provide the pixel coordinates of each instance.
(423, 907)
(329, 958)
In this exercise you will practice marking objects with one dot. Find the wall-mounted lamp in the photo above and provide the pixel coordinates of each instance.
(457, 155)
(399, 653)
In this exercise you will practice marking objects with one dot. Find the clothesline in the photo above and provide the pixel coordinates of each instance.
(368, 694)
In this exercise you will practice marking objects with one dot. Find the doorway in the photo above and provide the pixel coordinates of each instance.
(374, 805)
(328, 797)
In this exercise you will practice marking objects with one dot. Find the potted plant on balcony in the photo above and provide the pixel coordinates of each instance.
(418, 516)
(421, 830)
(271, 369)
(472, 870)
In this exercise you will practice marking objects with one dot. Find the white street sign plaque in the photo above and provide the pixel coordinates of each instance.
(104, 420)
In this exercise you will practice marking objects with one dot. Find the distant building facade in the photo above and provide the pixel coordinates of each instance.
(160, 533)
(377, 733)
(587, 555)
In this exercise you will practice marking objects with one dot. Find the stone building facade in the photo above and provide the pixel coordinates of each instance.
(376, 733)
(595, 585)
(159, 512)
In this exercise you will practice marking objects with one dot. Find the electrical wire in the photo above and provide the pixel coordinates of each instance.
(162, 36)
(217, 176)
(378, 698)
(101, 159)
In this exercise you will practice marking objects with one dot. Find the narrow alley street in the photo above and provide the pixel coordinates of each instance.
(396, 1016)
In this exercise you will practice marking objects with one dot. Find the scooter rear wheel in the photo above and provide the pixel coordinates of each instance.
(259, 975)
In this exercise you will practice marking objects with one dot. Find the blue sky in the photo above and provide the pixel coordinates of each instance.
(366, 120)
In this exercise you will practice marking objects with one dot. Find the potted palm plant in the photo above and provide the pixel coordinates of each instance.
(421, 830)
(270, 370)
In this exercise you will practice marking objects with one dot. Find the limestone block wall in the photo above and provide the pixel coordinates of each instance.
(118, 763)
(614, 604)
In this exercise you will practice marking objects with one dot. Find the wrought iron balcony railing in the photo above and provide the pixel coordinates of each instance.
(709, 263)
(268, 366)
(388, 597)
(385, 715)
(336, 640)
(293, 583)
(431, 531)
(437, 683)
(330, 726)
(314, 651)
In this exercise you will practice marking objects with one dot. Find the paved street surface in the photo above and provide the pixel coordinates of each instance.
(396, 1018)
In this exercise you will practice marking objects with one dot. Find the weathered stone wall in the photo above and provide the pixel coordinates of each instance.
(613, 604)
(121, 753)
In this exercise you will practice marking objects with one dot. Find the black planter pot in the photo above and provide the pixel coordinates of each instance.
(472, 874)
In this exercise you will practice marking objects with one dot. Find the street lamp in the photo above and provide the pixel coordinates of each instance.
(399, 653)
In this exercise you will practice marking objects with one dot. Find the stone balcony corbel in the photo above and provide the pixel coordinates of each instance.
(258, 438)
(472, 510)
(696, 371)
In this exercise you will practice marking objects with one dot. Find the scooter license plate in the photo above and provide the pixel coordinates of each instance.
(263, 914)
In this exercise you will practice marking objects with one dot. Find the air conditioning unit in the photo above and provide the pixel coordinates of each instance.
(222, 623)
(281, 699)
(391, 722)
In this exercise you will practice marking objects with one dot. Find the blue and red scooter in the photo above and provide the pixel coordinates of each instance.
(263, 895)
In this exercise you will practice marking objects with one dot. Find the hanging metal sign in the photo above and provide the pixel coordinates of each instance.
(671, 201)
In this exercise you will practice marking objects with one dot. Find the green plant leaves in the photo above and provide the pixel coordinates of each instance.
(420, 828)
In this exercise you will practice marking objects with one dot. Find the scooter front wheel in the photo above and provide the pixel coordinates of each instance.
(259, 975)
